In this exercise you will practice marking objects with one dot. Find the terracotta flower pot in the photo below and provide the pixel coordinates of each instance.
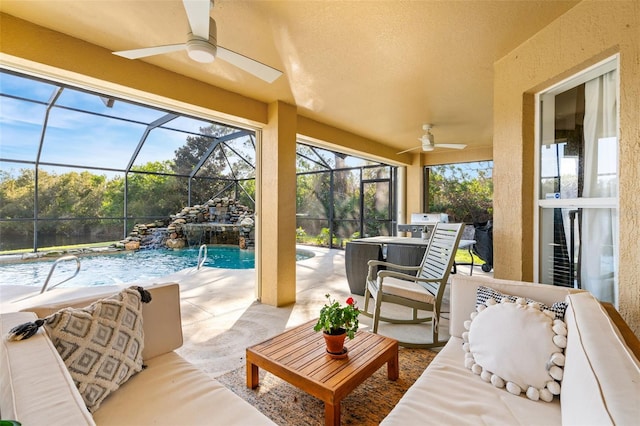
(335, 343)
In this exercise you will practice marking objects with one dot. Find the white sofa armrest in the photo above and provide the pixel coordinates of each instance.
(37, 388)
(601, 383)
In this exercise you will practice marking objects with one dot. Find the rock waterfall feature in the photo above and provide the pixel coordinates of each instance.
(218, 221)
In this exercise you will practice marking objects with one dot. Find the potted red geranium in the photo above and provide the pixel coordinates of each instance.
(337, 323)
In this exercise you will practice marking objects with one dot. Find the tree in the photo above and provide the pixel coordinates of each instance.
(155, 192)
(16, 194)
(465, 194)
(16, 202)
(229, 162)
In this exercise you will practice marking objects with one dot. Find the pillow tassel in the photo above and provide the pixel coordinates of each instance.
(144, 294)
(24, 331)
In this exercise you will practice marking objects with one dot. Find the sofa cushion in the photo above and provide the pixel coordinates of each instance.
(100, 344)
(486, 293)
(172, 391)
(601, 381)
(447, 393)
(517, 347)
(37, 388)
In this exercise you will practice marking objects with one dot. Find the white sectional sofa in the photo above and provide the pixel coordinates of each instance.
(601, 383)
(37, 388)
(600, 386)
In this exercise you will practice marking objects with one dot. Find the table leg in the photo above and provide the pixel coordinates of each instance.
(253, 378)
(332, 414)
(393, 367)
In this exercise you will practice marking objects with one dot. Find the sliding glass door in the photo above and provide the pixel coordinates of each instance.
(578, 183)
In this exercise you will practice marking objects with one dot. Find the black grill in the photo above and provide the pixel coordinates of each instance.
(483, 248)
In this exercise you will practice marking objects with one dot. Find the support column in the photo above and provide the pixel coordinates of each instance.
(276, 268)
(415, 186)
(401, 185)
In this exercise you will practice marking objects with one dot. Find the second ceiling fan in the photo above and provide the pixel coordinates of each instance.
(428, 142)
(202, 46)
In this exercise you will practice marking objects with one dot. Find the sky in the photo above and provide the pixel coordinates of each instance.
(77, 138)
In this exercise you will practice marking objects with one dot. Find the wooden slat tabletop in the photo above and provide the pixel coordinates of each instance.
(299, 357)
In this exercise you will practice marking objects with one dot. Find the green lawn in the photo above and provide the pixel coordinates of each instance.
(60, 248)
(463, 256)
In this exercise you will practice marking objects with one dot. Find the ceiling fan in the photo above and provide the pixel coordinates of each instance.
(428, 143)
(201, 44)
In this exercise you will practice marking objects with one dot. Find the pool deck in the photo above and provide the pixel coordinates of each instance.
(221, 317)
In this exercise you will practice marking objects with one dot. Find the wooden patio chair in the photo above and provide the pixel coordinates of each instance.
(421, 291)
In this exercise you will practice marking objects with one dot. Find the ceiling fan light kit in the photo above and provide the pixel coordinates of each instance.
(202, 45)
(201, 51)
(427, 139)
(428, 142)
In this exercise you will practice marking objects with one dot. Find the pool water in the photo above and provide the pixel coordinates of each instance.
(125, 267)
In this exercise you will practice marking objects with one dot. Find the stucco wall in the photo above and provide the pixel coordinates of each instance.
(585, 35)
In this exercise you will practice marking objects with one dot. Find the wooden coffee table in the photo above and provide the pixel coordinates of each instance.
(299, 357)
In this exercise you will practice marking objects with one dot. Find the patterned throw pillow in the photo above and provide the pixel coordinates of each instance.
(517, 346)
(101, 344)
(485, 293)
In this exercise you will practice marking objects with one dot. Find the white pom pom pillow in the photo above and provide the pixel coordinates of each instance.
(517, 346)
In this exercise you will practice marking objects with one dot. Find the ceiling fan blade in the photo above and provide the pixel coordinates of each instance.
(450, 145)
(198, 16)
(260, 70)
(150, 51)
(410, 149)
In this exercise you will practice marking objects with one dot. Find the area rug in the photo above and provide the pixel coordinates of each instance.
(368, 404)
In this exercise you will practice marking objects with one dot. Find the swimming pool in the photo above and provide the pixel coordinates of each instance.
(125, 267)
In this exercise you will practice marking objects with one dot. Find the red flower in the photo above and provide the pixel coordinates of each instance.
(350, 301)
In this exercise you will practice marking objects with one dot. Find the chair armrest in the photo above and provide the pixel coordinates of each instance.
(392, 265)
(400, 275)
(406, 277)
(395, 274)
(373, 263)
